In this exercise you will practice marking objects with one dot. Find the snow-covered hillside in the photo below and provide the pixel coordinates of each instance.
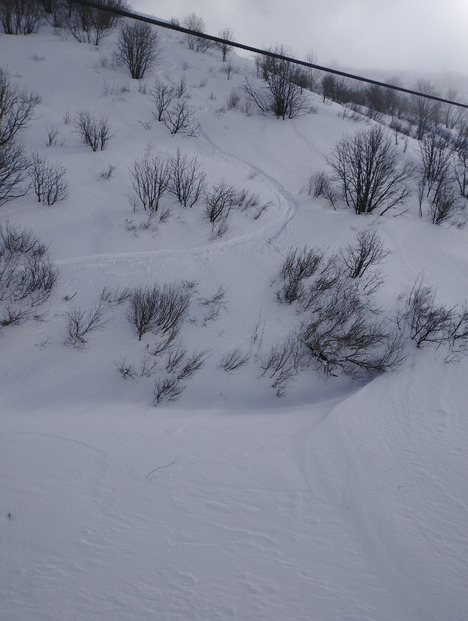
(342, 499)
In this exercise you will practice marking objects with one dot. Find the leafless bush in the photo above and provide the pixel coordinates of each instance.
(95, 132)
(367, 253)
(20, 16)
(189, 365)
(162, 95)
(367, 168)
(219, 229)
(234, 360)
(82, 322)
(27, 275)
(214, 304)
(53, 134)
(157, 310)
(228, 35)
(114, 297)
(137, 48)
(167, 389)
(220, 200)
(187, 180)
(90, 25)
(13, 172)
(283, 362)
(427, 321)
(283, 94)
(107, 173)
(48, 181)
(297, 268)
(16, 108)
(233, 100)
(321, 184)
(195, 23)
(179, 119)
(150, 175)
(446, 206)
(340, 336)
(460, 169)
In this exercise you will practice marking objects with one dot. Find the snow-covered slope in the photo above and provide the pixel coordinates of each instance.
(339, 501)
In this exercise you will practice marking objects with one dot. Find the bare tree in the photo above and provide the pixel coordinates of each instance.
(48, 181)
(137, 48)
(95, 132)
(335, 88)
(187, 179)
(368, 169)
(426, 110)
(228, 35)
(13, 172)
(16, 108)
(150, 175)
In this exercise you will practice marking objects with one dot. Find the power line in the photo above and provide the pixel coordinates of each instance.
(242, 46)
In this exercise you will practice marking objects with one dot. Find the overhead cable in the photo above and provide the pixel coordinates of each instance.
(172, 26)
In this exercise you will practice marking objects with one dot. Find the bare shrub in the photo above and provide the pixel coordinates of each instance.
(214, 304)
(367, 253)
(90, 25)
(447, 207)
(162, 95)
(234, 360)
(228, 35)
(53, 134)
(82, 322)
(220, 200)
(48, 181)
(283, 94)
(321, 184)
(16, 108)
(283, 362)
(367, 168)
(137, 48)
(187, 180)
(233, 100)
(157, 310)
(95, 132)
(20, 16)
(298, 266)
(167, 389)
(27, 276)
(427, 321)
(179, 119)
(13, 172)
(150, 175)
(341, 337)
(195, 23)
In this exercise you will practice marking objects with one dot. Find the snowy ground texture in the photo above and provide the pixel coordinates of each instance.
(339, 501)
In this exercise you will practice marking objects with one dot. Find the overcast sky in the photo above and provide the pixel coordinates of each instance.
(363, 34)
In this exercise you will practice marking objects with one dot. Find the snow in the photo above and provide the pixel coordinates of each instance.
(341, 500)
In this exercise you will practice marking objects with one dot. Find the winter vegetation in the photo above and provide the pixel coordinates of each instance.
(233, 331)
